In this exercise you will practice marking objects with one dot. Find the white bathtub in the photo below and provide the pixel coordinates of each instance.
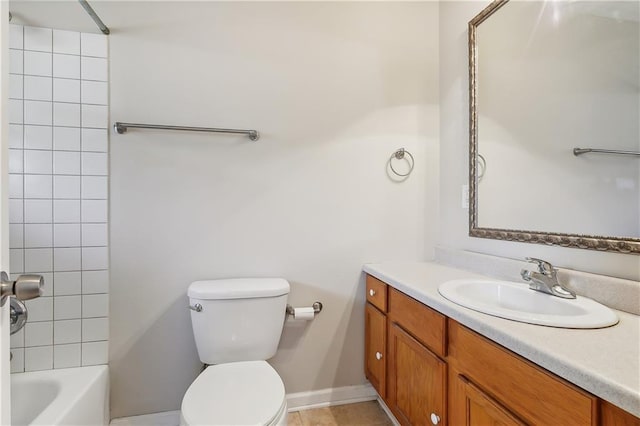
(70, 396)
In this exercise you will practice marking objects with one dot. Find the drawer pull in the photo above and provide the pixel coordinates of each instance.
(378, 355)
(372, 292)
(435, 419)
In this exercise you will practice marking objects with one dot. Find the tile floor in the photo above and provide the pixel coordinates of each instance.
(363, 413)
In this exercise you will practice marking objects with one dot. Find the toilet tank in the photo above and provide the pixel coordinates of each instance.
(241, 319)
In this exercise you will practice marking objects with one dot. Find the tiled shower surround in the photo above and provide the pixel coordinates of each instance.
(58, 190)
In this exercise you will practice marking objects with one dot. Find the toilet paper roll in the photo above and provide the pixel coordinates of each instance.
(305, 314)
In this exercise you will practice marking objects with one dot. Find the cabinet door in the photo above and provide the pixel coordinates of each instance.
(479, 409)
(416, 388)
(375, 325)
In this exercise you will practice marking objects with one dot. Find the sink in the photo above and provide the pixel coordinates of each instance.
(515, 301)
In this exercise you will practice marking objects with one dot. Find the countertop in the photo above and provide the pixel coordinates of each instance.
(605, 362)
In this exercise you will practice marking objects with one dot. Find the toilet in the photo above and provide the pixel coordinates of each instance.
(237, 325)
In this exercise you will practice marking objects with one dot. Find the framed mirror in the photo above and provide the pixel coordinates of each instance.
(554, 103)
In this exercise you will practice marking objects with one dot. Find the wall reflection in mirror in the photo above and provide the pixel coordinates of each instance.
(548, 77)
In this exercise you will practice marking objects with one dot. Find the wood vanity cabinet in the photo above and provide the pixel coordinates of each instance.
(429, 369)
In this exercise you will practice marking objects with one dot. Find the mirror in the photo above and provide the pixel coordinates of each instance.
(547, 78)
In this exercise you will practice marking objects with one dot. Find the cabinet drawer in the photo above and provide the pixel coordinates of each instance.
(377, 293)
(530, 392)
(423, 323)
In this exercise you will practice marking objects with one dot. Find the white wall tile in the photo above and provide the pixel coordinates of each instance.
(37, 162)
(17, 339)
(38, 235)
(66, 90)
(96, 116)
(16, 235)
(95, 282)
(66, 187)
(95, 258)
(94, 234)
(16, 86)
(93, 69)
(37, 137)
(16, 261)
(94, 188)
(38, 211)
(37, 186)
(16, 160)
(38, 259)
(40, 309)
(95, 353)
(67, 331)
(16, 211)
(66, 114)
(67, 259)
(38, 39)
(37, 88)
(66, 163)
(66, 42)
(67, 356)
(94, 92)
(15, 61)
(16, 132)
(95, 140)
(38, 63)
(94, 163)
(94, 210)
(66, 138)
(37, 112)
(66, 235)
(16, 186)
(95, 329)
(95, 305)
(67, 307)
(17, 362)
(16, 111)
(66, 66)
(94, 45)
(68, 283)
(66, 211)
(16, 36)
(38, 358)
(38, 333)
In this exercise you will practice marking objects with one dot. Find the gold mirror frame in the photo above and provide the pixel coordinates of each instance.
(589, 242)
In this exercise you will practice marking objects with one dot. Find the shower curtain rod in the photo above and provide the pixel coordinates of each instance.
(94, 16)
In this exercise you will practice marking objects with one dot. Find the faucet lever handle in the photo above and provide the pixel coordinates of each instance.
(544, 267)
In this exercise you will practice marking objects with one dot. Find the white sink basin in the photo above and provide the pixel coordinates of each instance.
(515, 301)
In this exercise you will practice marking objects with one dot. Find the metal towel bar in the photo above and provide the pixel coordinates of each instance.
(121, 128)
(580, 151)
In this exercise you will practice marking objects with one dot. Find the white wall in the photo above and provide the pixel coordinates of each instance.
(334, 89)
(454, 130)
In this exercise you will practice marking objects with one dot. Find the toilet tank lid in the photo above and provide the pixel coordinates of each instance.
(238, 288)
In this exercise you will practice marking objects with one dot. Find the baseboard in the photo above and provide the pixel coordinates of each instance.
(295, 402)
(388, 411)
(165, 418)
(332, 396)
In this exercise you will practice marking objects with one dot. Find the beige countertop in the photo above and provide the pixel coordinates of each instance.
(605, 362)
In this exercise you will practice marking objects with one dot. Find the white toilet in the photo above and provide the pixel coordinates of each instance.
(237, 326)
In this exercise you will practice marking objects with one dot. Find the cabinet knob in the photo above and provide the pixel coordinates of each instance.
(372, 292)
(378, 355)
(435, 419)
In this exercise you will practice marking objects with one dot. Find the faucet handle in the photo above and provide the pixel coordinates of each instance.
(544, 267)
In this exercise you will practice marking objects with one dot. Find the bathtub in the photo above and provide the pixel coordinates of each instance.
(70, 396)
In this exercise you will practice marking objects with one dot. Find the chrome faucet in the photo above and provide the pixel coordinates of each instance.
(546, 279)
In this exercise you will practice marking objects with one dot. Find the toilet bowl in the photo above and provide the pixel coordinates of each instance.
(237, 325)
(237, 393)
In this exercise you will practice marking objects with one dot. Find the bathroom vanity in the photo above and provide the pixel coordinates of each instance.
(434, 362)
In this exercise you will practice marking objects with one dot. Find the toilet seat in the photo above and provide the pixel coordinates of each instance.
(237, 393)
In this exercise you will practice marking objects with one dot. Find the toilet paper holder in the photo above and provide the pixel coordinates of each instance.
(317, 307)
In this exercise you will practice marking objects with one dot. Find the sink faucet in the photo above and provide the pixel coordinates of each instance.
(546, 279)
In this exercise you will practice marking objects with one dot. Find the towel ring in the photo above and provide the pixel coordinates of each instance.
(482, 166)
(399, 155)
